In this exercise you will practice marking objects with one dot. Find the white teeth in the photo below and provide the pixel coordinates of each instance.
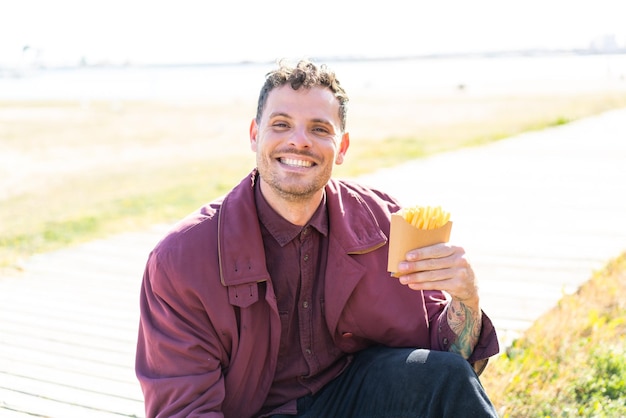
(296, 163)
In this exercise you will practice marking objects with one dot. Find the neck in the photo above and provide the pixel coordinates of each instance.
(295, 209)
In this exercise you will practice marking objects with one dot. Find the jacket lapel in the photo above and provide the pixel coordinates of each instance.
(356, 233)
(241, 252)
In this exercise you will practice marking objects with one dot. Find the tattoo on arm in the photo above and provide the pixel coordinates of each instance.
(466, 323)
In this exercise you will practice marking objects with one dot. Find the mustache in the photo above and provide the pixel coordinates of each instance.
(294, 151)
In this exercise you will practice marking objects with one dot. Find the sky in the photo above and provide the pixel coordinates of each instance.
(66, 32)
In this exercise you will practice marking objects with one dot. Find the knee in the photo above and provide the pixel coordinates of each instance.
(443, 362)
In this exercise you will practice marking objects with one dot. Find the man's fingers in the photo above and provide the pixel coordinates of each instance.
(432, 251)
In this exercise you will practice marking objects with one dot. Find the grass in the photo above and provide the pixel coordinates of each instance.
(73, 215)
(82, 170)
(578, 371)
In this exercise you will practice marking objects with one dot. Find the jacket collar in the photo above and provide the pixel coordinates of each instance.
(240, 246)
(352, 223)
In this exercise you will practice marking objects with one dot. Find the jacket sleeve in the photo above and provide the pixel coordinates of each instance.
(178, 358)
(442, 336)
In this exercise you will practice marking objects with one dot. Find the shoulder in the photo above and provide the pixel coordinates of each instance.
(373, 197)
(184, 260)
(192, 233)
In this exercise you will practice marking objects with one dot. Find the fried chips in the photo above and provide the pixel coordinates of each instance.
(425, 217)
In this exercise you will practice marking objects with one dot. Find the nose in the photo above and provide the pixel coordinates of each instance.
(299, 138)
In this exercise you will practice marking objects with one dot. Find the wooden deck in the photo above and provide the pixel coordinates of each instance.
(68, 328)
(537, 215)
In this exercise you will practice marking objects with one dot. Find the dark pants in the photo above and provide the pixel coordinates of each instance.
(401, 383)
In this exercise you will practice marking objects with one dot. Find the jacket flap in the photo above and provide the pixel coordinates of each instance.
(243, 295)
(239, 243)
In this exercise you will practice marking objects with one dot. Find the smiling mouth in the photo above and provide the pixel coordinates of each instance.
(295, 162)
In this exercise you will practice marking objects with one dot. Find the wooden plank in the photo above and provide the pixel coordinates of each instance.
(100, 382)
(72, 323)
(74, 396)
(15, 404)
(55, 360)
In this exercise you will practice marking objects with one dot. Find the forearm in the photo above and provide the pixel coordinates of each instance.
(465, 320)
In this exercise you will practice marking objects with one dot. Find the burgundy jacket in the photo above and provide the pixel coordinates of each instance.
(210, 330)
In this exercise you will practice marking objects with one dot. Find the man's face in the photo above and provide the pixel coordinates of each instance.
(297, 142)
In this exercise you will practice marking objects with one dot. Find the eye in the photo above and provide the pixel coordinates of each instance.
(321, 130)
(280, 124)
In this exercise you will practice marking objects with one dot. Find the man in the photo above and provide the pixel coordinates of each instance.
(275, 300)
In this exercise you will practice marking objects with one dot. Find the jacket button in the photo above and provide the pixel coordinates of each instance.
(445, 341)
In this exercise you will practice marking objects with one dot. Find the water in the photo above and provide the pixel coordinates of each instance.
(201, 82)
(216, 82)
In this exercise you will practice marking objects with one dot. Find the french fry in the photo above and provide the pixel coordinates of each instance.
(416, 227)
(425, 217)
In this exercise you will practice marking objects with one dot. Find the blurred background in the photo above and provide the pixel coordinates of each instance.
(70, 33)
(46, 48)
(119, 117)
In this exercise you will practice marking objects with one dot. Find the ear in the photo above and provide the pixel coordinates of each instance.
(254, 130)
(343, 148)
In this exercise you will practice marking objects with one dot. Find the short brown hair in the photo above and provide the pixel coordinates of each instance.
(304, 74)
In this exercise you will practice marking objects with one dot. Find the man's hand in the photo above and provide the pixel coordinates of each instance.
(440, 267)
(444, 267)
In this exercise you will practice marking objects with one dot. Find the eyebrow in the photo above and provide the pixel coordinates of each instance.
(275, 114)
(286, 115)
(324, 121)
